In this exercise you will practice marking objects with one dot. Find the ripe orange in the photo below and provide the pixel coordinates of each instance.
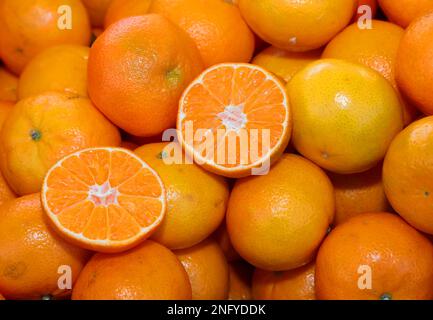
(277, 221)
(240, 281)
(297, 284)
(216, 26)
(104, 199)
(297, 25)
(5, 191)
(8, 86)
(284, 63)
(31, 254)
(408, 174)
(97, 9)
(348, 127)
(192, 214)
(222, 237)
(42, 129)
(147, 272)
(138, 69)
(414, 64)
(29, 26)
(375, 48)
(403, 12)
(234, 119)
(60, 68)
(120, 9)
(375, 256)
(358, 193)
(207, 270)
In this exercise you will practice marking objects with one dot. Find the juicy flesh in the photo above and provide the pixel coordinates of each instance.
(227, 103)
(104, 195)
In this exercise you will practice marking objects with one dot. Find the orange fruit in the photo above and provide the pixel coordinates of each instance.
(60, 68)
(375, 48)
(297, 284)
(146, 272)
(207, 270)
(216, 26)
(31, 253)
(408, 173)
(358, 193)
(42, 129)
(120, 9)
(103, 199)
(348, 127)
(192, 215)
(143, 92)
(29, 26)
(277, 221)
(97, 9)
(8, 86)
(240, 281)
(403, 12)
(222, 237)
(244, 110)
(5, 191)
(375, 256)
(295, 25)
(414, 71)
(284, 63)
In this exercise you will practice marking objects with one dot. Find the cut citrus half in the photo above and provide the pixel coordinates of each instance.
(234, 119)
(103, 199)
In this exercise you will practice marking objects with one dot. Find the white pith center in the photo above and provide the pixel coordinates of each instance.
(233, 117)
(103, 195)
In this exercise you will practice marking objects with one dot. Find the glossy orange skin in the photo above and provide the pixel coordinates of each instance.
(97, 9)
(146, 272)
(207, 269)
(358, 193)
(192, 215)
(120, 9)
(408, 174)
(399, 258)
(60, 68)
(42, 129)
(216, 27)
(414, 71)
(137, 93)
(284, 64)
(8, 86)
(6, 192)
(297, 25)
(27, 27)
(277, 221)
(403, 12)
(31, 252)
(297, 284)
(240, 281)
(375, 48)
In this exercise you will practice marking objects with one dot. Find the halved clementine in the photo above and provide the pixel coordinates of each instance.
(234, 119)
(103, 199)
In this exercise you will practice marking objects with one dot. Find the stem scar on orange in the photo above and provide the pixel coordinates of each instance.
(234, 118)
(104, 199)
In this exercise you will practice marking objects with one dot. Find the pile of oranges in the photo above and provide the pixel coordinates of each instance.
(216, 149)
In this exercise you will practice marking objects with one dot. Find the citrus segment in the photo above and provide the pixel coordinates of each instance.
(105, 199)
(233, 118)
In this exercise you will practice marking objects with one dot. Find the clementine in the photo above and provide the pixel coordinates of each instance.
(277, 221)
(120, 9)
(403, 12)
(146, 272)
(137, 71)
